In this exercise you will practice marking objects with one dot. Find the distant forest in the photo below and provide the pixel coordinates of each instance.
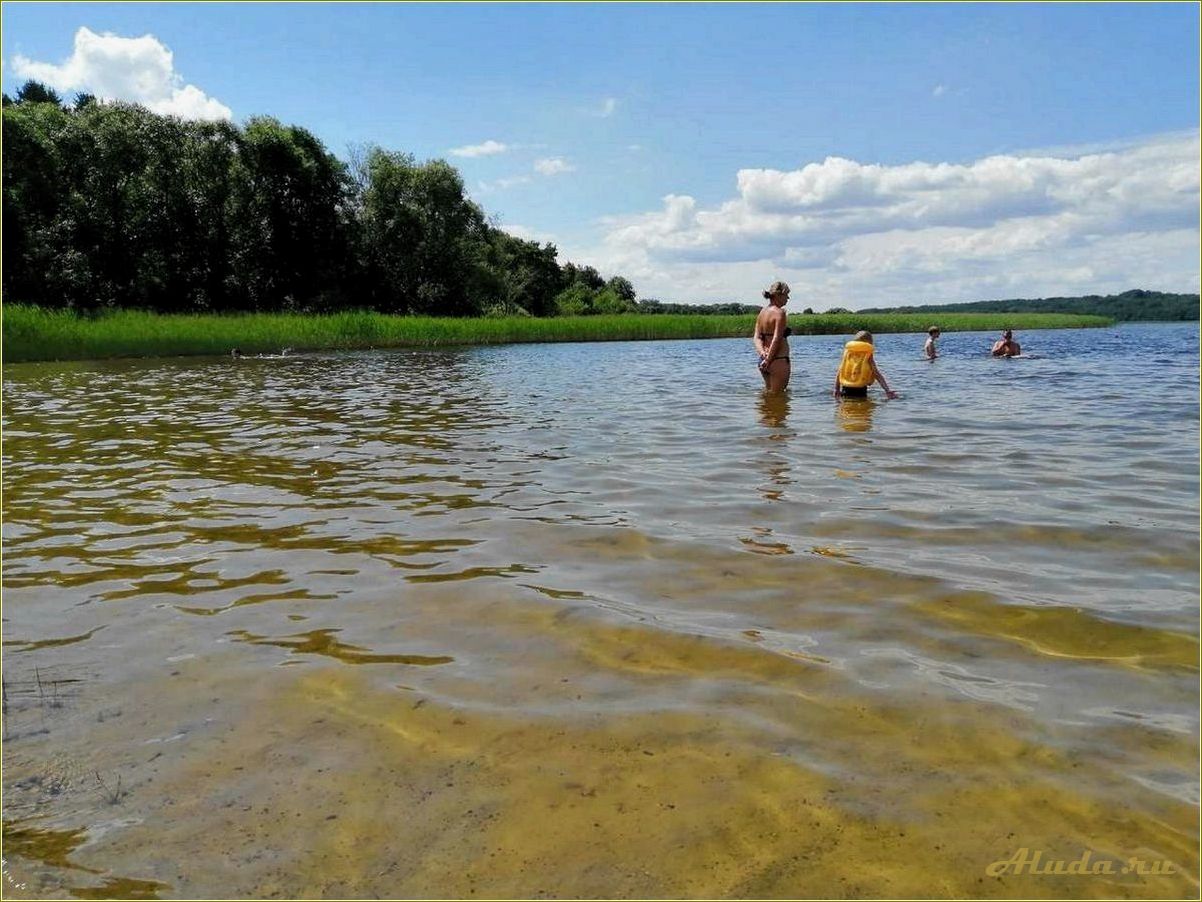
(108, 205)
(1136, 305)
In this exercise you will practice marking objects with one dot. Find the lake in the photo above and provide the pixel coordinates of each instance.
(602, 620)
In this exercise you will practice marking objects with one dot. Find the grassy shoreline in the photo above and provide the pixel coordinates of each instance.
(36, 334)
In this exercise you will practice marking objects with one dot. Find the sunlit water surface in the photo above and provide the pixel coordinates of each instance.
(602, 620)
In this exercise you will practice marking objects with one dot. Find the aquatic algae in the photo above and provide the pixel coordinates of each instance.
(323, 642)
(1066, 632)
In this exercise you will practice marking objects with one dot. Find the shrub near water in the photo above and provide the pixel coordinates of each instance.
(33, 333)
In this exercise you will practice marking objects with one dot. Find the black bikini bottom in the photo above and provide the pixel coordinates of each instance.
(851, 391)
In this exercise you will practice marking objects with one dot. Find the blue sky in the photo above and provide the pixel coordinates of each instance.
(867, 153)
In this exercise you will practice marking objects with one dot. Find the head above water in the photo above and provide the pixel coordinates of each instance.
(776, 289)
(933, 331)
(1007, 335)
(864, 335)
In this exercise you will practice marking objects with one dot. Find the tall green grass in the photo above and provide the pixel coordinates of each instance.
(34, 333)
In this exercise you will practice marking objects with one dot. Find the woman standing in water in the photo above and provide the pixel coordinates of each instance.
(771, 338)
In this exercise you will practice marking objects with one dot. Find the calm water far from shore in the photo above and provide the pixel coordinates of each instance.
(604, 620)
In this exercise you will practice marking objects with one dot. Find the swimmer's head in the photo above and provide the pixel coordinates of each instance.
(864, 335)
(1007, 334)
(933, 331)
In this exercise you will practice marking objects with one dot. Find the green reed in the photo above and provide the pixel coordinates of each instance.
(34, 333)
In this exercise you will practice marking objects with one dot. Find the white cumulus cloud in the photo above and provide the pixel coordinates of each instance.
(553, 166)
(863, 234)
(488, 148)
(138, 70)
(501, 184)
(547, 166)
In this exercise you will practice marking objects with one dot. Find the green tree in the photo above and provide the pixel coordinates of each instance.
(288, 203)
(585, 275)
(621, 287)
(117, 216)
(36, 92)
(40, 264)
(525, 276)
(422, 239)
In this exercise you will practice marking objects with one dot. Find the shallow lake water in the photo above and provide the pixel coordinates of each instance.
(602, 620)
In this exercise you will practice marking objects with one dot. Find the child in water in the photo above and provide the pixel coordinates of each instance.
(928, 349)
(858, 369)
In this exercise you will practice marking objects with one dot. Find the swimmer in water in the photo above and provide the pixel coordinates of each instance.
(928, 349)
(1006, 346)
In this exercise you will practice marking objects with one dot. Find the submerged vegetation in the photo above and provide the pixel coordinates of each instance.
(32, 333)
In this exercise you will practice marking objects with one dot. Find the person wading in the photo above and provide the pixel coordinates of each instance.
(771, 338)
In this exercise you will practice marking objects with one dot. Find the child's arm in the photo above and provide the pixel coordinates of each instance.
(880, 377)
(837, 384)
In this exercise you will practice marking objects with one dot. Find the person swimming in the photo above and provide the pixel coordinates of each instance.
(237, 354)
(1006, 346)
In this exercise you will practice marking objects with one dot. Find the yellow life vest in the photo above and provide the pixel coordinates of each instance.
(855, 370)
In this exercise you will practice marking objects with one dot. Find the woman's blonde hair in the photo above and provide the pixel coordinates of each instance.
(775, 288)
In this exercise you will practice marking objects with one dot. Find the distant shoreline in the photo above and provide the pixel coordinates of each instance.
(37, 334)
(1135, 306)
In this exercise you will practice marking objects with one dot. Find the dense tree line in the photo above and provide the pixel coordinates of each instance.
(110, 205)
(730, 308)
(1136, 305)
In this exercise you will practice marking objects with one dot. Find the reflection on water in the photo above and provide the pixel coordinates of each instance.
(855, 414)
(629, 635)
(774, 408)
(774, 414)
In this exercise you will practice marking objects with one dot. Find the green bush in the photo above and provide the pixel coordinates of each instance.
(575, 300)
(610, 301)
